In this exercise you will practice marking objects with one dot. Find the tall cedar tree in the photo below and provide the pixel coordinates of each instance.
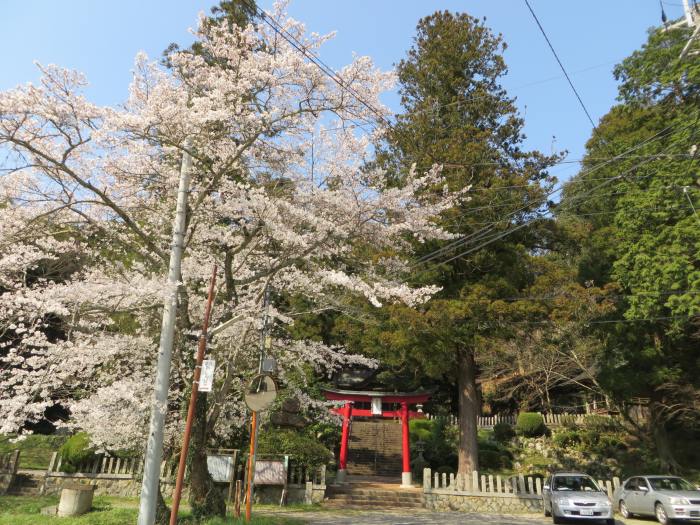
(457, 114)
(643, 234)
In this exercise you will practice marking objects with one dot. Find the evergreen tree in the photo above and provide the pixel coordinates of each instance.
(458, 115)
(644, 232)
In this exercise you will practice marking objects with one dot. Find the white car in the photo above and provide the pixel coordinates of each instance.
(574, 495)
(668, 498)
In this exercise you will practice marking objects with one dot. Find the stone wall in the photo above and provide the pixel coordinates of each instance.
(444, 500)
(106, 486)
(309, 494)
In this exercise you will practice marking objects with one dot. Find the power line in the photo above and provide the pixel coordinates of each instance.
(602, 295)
(614, 321)
(556, 56)
(312, 57)
(462, 240)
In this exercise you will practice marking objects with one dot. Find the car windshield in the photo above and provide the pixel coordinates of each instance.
(574, 483)
(670, 484)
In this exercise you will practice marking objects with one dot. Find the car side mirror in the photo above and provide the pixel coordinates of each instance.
(546, 487)
(644, 489)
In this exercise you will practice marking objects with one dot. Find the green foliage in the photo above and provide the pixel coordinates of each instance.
(107, 511)
(566, 438)
(34, 450)
(494, 455)
(503, 432)
(600, 424)
(75, 451)
(530, 424)
(438, 439)
(456, 113)
(305, 450)
(641, 232)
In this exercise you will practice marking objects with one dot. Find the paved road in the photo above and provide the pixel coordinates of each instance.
(422, 517)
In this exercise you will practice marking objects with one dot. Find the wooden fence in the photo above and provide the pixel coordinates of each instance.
(9, 462)
(108, 468)
(299, 476)
(483, 484)
(551, 420)
(103, 467)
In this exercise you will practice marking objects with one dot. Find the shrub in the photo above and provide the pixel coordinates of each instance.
(494, 455)
(566, 438)
(530, 424)
(597, 423)
(490, 460)
(305, 450)
(503, 432)
(75, 451)
(439, 441)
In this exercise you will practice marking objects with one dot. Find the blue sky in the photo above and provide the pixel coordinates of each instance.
(102, 38)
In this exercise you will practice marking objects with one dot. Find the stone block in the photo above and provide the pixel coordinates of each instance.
(76, 499)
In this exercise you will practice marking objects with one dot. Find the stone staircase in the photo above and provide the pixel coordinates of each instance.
(377, 496)
(375, 448)
(26, 483)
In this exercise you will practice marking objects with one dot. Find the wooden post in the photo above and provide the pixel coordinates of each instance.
(237, 503)
(52, 463)
(251, 467)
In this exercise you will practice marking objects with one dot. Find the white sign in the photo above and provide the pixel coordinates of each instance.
(271, 472)
(376, 406)
(220, 467)
(206, 376)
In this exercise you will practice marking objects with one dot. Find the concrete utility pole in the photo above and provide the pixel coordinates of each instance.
(154, 449)
(687, 11)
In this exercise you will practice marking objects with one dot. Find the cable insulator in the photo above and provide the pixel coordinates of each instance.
(664, 18)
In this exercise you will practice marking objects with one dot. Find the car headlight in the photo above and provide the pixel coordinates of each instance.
(604, 503)
(678, 501)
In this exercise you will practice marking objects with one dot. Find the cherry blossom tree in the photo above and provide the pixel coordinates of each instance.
(278, 199)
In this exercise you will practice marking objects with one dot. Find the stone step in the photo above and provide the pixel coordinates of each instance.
(379, 501)
(26, 484)
(373, 505)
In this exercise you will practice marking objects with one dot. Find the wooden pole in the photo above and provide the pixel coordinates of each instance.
(201, 350)
(237, 502)
(251, 466)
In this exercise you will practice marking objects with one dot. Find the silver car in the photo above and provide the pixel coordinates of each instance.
(574, 495)
(669, 498)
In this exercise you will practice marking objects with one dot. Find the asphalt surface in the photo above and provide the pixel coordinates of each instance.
(423, 517)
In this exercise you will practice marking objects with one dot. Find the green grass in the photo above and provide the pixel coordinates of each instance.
(35, 450)
(18, 510)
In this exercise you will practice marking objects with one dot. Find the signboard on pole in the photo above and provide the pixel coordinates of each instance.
(206, 376)
(271, 472)
(221, 467)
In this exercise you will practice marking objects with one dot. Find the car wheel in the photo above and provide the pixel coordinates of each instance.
(547, 513)
(557, 519)
(610, 521)
(624, 510)
(661, 515)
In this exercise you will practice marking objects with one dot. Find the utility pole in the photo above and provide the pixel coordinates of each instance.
(265, 343)
(689, 18)
(154, 448)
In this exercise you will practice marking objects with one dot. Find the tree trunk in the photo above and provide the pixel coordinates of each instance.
(205, 499)
(657, 423)
(468, 411)
(162, 510)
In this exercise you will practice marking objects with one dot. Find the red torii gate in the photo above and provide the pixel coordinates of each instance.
(376, 399)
